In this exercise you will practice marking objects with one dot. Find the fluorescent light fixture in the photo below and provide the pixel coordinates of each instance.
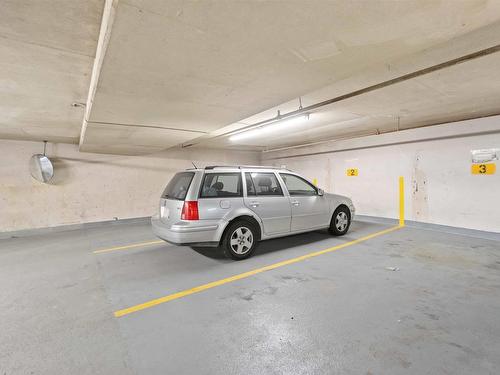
(276, 126)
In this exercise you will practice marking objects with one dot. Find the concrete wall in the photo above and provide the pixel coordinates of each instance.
(90, 187)
(434, 161)
(93, 187)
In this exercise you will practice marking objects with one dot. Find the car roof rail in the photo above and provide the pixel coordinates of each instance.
(242, 166)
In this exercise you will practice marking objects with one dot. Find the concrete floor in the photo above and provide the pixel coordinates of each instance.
(339, 313)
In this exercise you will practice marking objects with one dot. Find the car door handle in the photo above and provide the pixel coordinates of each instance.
(254, 204)
(295, 203)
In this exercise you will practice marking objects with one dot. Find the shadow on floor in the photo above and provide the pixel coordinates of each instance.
(268, 246)
(284, 243)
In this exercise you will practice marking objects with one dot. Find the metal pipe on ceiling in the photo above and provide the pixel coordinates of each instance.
(396, 143)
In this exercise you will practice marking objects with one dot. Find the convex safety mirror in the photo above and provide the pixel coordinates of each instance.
(41, 168)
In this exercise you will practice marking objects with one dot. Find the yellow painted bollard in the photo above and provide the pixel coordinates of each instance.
(401, 201)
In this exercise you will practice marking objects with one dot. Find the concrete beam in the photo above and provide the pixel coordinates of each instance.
(108, 17)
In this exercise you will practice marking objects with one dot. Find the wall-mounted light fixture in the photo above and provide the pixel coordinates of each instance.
(277, 125)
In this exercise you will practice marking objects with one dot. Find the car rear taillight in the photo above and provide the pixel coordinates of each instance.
(190, 211)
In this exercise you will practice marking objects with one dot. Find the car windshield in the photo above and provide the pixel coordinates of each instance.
(178, 186)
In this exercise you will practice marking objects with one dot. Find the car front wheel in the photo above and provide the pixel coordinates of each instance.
(341, 220)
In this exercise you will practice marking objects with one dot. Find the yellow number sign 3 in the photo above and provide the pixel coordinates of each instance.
(489, 168)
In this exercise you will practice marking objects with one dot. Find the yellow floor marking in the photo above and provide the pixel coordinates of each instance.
(128, 246)
(240, 276)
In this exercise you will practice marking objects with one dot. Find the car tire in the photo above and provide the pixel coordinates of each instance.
(240, 240)
(341, 221)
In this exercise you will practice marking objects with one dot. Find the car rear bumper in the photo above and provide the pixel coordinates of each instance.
(201, 233)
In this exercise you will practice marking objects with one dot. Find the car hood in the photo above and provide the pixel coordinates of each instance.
(338, 197)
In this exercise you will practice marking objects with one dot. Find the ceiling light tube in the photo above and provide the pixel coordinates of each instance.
(277, 125)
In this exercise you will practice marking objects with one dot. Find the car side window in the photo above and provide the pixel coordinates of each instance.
(265, 184)
(221, 185)
(298, 186)
(250, 186)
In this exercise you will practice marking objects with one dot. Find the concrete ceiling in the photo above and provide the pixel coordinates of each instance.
(46, 54)
(458, 92)
(172, 72)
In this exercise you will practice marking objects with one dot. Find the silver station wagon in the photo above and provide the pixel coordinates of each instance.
(236, 206)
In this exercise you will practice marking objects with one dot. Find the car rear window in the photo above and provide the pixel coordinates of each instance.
(178, 186)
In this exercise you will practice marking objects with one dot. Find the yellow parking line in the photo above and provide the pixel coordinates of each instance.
(240, 276)
(128, 246)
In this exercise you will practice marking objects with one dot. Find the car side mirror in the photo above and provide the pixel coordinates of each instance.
(321, 192)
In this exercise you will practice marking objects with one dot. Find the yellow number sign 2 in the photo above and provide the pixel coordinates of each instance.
(352, 171)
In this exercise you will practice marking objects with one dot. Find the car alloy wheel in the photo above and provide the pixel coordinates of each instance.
(241, 240)
(341, 221)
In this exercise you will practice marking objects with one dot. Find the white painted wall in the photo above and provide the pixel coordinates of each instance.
(451, 195)
(91, 187)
